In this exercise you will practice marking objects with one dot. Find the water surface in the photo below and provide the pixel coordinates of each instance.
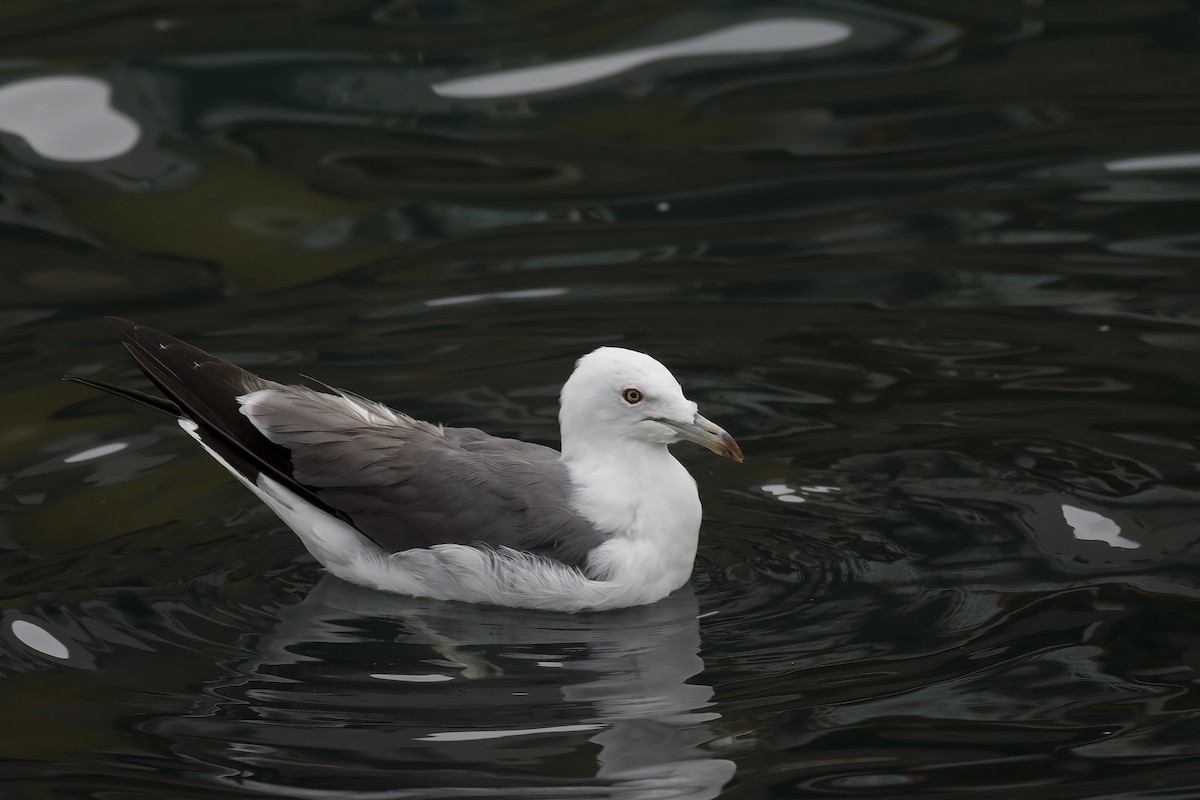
(932, 263)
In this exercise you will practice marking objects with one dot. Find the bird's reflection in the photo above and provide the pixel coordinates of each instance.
(401, 682)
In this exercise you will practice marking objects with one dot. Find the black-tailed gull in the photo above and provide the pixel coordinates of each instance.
(402, 505)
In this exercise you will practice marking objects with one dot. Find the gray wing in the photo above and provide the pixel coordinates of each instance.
(401, 482)
(405, 483)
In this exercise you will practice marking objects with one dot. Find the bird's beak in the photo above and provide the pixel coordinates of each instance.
(707, 434)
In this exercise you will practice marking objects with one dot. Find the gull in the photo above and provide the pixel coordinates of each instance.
(398, 504)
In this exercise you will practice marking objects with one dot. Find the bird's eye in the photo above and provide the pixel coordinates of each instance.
(632, 396)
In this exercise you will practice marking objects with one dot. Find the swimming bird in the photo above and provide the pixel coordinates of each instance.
(402, 505)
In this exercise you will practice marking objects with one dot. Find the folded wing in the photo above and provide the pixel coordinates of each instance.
(402, 483)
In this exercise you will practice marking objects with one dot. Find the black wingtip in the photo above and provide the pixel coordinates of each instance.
(141, 398)
(122, 326)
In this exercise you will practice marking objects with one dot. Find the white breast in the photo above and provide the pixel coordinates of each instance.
(650, 508)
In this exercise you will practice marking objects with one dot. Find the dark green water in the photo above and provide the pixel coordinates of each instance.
(933, 263)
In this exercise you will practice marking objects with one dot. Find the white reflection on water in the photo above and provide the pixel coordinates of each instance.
(478, 735)
(763, 36)
(1151, 163)
(67, 118)
(521, 294)
(96, 452)
(789, 494)
(1090, 526)
(783, 492)
(38, 638)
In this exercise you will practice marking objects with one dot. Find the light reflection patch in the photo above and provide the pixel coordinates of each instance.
(67, 118)
(475, 736)
(1174, 161)
(1093, 527)
(38, 638)
(96, 452)
(779, 35)
(790, 494)
(516, 294)
(427, 678)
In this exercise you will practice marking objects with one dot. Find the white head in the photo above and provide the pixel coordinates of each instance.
(623, 396)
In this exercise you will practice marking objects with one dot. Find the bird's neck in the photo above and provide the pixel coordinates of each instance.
(637, 492)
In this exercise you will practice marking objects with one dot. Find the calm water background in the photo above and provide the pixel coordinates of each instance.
(934, 263)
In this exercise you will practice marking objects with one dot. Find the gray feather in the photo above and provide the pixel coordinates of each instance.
(405, 483)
